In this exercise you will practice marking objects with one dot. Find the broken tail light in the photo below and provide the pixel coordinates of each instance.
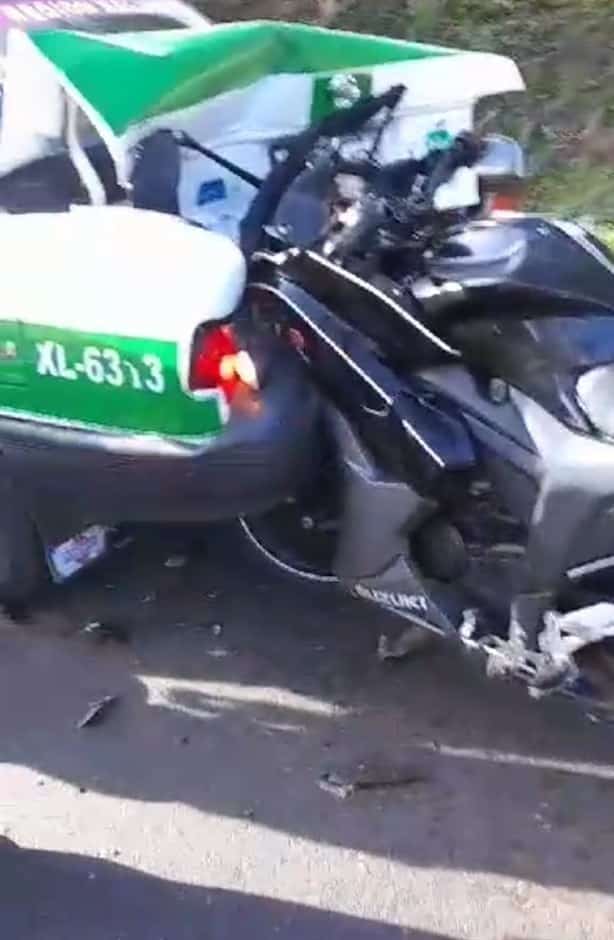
(219, 362)
(502, 172)
(506, 202)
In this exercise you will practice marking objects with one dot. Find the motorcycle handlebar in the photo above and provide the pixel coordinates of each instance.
(437, 169)
(350, 120)
(298, 149)
(341, 123)
(370, 215)
(398, 178)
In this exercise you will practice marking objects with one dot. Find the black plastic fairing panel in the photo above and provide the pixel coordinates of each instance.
(527, 255)
(542, 356)
(406, 432)
(393, 321)
(506, 450)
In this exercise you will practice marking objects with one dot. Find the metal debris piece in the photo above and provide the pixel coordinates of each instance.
(552, 667)
(342, 785)
(175, 561)
(411, 640)
(101, 632)
(330, 783)
(216, 629)
(97, 711)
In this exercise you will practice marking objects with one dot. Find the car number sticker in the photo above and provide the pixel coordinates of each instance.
(101, 366)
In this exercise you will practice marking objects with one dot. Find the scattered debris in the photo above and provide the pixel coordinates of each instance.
(412, 640)
(216, 629)
(101, 632)
(248, 814)
(184, 739)
(82, 789)
(343, 785)
(97, 711)
(330, 783)
(175, 561)
(148, 598)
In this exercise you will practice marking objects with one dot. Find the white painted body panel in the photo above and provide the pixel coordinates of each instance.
(117, 270)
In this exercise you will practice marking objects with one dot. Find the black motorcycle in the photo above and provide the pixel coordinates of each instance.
(466, 365)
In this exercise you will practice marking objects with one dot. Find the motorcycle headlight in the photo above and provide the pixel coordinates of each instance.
(595, 392)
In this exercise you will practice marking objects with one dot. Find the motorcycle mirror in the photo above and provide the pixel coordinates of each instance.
(502, 172)
(501, 157)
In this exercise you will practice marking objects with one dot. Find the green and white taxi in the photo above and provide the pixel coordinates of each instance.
(127, 390)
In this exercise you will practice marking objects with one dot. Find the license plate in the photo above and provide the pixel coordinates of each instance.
(78, 552)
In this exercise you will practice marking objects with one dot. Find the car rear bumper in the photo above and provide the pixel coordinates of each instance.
(72, 478)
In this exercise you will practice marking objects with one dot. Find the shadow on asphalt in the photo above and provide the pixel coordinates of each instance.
(244, 718)
(58, 896)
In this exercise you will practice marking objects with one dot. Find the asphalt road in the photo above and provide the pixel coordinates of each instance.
(193, 811)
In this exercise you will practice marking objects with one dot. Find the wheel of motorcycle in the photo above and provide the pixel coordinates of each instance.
(299, 536)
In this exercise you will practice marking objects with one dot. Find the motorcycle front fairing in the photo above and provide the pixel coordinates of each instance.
(492, 376)
(538, 317)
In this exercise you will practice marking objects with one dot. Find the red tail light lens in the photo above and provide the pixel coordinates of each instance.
(506, 202)
(219, 362)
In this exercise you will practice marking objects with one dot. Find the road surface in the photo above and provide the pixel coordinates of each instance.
(193, 811)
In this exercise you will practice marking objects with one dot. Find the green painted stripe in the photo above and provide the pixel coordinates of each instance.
(130, 78)
(111, 382)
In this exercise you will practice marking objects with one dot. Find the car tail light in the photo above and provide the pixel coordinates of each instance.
(506, 202)
(219, 362)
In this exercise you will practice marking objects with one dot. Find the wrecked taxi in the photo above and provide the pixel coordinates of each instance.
(128, 392)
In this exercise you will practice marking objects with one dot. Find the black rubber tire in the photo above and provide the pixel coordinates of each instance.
(271, 559)
(278, 535)
(22, 563)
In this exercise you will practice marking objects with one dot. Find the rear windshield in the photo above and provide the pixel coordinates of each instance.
(126, 23)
